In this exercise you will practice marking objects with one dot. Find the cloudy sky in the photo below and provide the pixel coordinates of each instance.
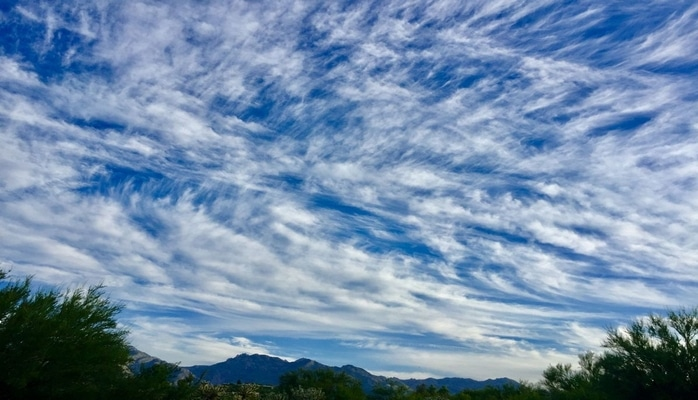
(424, 188)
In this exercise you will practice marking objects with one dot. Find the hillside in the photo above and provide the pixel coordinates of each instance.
(266, 370)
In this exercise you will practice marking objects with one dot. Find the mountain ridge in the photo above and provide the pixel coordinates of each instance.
(266, 370)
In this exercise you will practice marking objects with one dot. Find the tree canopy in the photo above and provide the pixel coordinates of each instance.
(334, 386)
(653, 358)
(58, 345)
(69, 345)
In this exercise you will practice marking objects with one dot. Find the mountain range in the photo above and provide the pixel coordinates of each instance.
(266, 370)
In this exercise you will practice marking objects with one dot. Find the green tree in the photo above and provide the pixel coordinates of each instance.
(522, 391)
(563, 382)
(390, 390)
(335, 386)
(655, 357)
(307, 393)
(55, 345)
(424, 392)
(154, 383)
(69, 346)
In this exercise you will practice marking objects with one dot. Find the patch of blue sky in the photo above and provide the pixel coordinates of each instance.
(375, 235)
(497, 235)
(289, 182)
(442, 79)
(178, 159)
(687, 68)
(325, 60)
(478, 164)
(540, 17)
(8, 5)
(154, 226)
(588, 231)
(566, 253)
(119, 181)
(517, 190)
(413, 249)
(394, 206)
(538, 144)
(373, 232)
(476, 271)
(596, 34)
(527, 297)
(223, 105)
(334, 203)
(53, 54)
(623, 124)
(656, 164)
(266, 107)
(97, 124)
(340, 117)
(615, 26)
(561, 111)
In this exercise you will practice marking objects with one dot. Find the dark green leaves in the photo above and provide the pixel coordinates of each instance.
(55, 345)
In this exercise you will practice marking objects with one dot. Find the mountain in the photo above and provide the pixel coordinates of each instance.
(140, 360)
(266, 370)
(261, 369)
(455, 385)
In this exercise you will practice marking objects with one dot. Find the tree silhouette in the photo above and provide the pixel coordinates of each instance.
(69, 346)
(55, 345)
(655, 357)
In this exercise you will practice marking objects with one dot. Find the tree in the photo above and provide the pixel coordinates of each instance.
(393, 389)
(424, 392)
(656, 357)
(69, 346)
(563, 382)
(334, 386)
(653, 358)
(521, 391)
(55, 345)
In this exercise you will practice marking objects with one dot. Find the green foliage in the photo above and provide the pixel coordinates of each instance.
(563, 382)
(424, 392)
(309, 393)
(55, 345)
(398, 391)
(654, 358)
(208, 391)
(334, 386)
(523, 391)
(153, 383)
(69, 346)
(391, 390)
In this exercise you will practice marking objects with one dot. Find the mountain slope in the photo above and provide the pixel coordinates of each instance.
(455, 385)
(140, 360)
(266, 370)
(245, 368)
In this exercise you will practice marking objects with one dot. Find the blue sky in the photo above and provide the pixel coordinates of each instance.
(439, 188)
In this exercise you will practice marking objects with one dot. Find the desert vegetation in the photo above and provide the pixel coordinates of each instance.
(69, 345)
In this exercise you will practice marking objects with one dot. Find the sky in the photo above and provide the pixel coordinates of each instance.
(419, 188)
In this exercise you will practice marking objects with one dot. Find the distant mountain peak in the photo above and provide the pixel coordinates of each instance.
(247, 356)
(140, 360)
(266, 370)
